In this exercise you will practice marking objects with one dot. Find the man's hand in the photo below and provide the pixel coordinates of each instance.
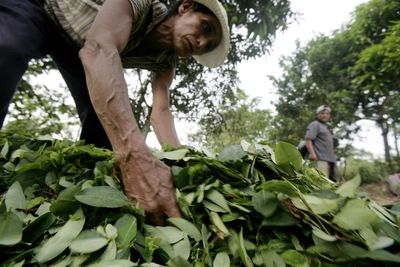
(148, 181)
(310, 148)
(313, 157)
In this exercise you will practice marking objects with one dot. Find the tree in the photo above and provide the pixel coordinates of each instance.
(41, 110)
(244, 121)
(377, 83)
(332, 70)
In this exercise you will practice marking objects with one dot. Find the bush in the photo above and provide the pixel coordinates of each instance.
(370, 171)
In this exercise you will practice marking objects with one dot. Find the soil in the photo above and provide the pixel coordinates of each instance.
(379, 191)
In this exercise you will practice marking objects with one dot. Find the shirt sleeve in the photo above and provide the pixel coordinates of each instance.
(312, 131)
(140, 9)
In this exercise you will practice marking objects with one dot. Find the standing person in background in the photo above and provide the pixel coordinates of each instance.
(91, 42)
(320, 143)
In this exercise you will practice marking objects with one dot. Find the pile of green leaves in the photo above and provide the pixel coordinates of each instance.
(62, 204)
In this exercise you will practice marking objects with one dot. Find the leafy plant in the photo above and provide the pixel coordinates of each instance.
(62, 204)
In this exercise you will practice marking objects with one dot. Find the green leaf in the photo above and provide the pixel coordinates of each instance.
(284, 187)
(287, 156)
(272, 259)
(172, 155)
(243, 253)
(321, 234)
(74, 261)
(213, 207)
(317, 205)
(111, 231)
(355, 215)
(218, 199)
(265, 203)
(35, 202)
(156, 239)
(294, 258)
(222, 260)
(182, 248)
(64, 207)
(10, 229)
(87, 242)
(382, 242)
(232, 153)
(381, 255)
(110, 253)
(102, 196)
(368, 234)
(38, 227)
(4, 150)
(127, 230)
(62, 239)
(349, 188)
(173, 234)
(66, 203)
(204, 235)
(216, 220)
(186, 227)
(178, 262)
(113, 263)
(15, 198)
(280, 218)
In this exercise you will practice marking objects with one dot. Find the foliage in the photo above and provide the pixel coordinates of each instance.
(40, 110)
(354, 71)
(62, 204)
(370, 170)
(243, 121)
(376, 82)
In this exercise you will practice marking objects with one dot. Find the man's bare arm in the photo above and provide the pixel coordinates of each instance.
(146, 179)
(162, 119)
(310, 148)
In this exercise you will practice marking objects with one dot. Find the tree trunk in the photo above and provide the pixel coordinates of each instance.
(385, 130)
(396, 141)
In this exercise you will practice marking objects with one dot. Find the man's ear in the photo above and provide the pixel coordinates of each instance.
(185, 6)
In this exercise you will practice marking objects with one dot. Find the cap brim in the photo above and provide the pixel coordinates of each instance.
(217, 56)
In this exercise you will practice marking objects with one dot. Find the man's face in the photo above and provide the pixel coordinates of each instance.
(195, 33)
(324, 115)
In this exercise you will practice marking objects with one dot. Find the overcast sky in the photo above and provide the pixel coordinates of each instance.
(317, 16)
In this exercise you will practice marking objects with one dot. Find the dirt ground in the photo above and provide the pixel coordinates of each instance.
(380, 192)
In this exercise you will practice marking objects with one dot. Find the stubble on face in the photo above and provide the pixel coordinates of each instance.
(324, 116)
(195, 33)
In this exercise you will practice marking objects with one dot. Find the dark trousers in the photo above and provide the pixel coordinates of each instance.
(27, 32)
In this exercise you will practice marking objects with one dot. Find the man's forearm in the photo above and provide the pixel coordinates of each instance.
(310, 148)
(164, 128)
(161, 116)
(109, 96)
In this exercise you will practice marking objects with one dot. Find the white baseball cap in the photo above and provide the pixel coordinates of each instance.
(322, 108)
(217, 56)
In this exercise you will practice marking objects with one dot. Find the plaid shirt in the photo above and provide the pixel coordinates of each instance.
(76, 16)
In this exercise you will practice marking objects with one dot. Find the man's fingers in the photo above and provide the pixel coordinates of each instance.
(172, 208)
(173, 211)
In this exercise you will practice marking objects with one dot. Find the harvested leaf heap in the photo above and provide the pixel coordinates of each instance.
(62, 204)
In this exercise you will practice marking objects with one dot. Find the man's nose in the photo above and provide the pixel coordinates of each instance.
(201, 43)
